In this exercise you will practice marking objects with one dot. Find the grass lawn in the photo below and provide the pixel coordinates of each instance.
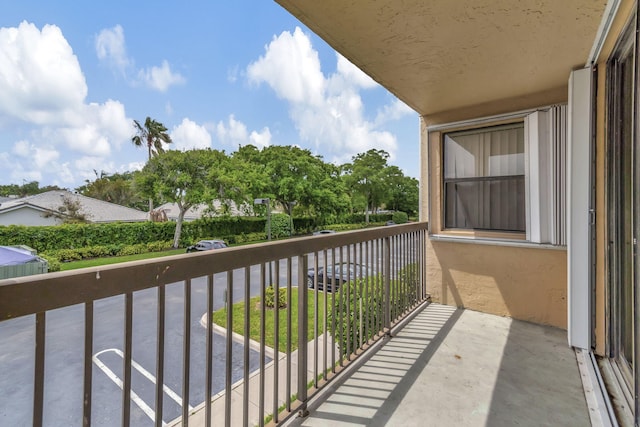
(220, 318)
(94, 262)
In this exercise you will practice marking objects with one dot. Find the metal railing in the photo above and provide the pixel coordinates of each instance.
(332, 314)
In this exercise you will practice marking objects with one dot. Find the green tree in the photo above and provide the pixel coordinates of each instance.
(115, 188)
(367, 176)
(403, 192)
(187, 178)
(152, 135)
(291, 176)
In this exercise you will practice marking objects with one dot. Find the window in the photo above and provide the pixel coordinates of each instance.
(484, 178)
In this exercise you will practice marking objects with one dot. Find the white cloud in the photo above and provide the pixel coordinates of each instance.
(21, 148)
(327, 110)
(291, 67)
(43, 156)
(189, 135)
(51, 110)
(232, 74)
(394, 111)
(111, 48)
(353, 74)
(261, 139)
(235, 133)
(160, 78)
(31, 65)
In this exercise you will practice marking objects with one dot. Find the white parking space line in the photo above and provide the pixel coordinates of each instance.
(136, 399)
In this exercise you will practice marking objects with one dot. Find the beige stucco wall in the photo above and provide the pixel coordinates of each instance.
(506, 277)
(524, 283)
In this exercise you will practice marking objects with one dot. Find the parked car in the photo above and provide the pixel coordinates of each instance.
(336, 275)
(389, 223)
(317, 233)
(207, 245)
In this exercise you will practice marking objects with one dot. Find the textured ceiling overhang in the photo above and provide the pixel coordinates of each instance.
(442, 55)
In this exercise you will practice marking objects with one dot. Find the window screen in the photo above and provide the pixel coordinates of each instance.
(484, 186)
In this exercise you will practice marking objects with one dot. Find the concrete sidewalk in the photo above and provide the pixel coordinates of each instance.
(218, 401)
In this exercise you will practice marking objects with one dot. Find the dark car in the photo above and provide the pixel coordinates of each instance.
(207, 245)
(336, 275)
(317, 233)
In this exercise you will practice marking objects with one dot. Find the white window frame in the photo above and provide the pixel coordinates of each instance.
(545, 170)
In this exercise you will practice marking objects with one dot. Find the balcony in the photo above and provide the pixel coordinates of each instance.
(133, 344)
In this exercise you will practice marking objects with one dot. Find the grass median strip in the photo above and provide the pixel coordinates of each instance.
(220, 318)
(95, 262)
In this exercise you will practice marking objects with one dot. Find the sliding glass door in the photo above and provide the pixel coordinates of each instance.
(624, 211)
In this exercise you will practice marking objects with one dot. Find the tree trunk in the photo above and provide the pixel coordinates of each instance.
(366, 215)
(176, 235)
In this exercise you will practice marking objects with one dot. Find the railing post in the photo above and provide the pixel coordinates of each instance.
(387, 284)
(303, 309)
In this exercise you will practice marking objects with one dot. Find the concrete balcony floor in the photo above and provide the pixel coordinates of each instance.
(454, 367)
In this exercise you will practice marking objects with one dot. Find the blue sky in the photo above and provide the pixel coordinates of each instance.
(74, 76)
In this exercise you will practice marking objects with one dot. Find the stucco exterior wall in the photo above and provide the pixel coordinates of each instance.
(497, 273)
(524, 283)
(26, 216)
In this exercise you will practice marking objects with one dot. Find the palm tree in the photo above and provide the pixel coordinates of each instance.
(152, 134)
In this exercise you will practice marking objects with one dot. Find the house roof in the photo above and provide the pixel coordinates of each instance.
(444, 55)
(197, 211)
(95, 210)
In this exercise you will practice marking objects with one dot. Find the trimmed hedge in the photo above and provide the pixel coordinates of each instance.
(74, 236)
(94, 238)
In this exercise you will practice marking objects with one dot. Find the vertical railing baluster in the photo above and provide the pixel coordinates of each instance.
(38, 385)
(315, 324)
(247, 334)
(348, 300)
(365, 339)
(387, 290)
(276, 339)
(325, 323)
(303, 326)
(229, 351)
(342, 341)
(289, 312)
(423, 261)
(186, 352)
(263, 286)
(88, 363)
(209, 353)
(333, 313)
(160, 320)
(128, 331)
(357, 292)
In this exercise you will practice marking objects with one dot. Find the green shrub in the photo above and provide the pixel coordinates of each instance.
(400, 217)
(54, 263)
(140, 248)
(250, 237)
(159, 246)
(348, 315)
(280, 226)
(66, 255)
(270, 297)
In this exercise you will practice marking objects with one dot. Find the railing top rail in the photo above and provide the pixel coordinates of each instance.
(33, 294)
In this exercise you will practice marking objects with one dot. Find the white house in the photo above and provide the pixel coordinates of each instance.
(45, 209)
